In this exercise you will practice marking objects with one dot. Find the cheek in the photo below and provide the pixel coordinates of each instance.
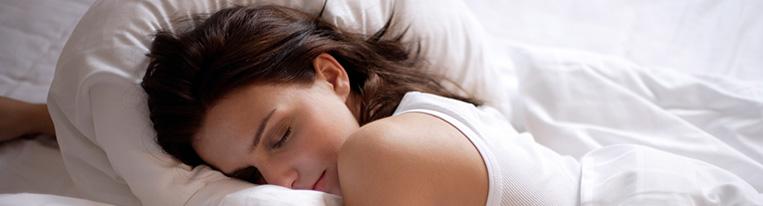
(319, 139)
(334, 131)
(323, 124)
(324, 134)
(307, 151)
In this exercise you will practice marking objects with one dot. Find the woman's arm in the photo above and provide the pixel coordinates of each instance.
(411, 159)
(19, 118)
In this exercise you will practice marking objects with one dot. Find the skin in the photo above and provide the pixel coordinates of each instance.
(315, 119)
(312, 134)
(19, 118)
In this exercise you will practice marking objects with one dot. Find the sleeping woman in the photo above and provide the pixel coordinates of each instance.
(272, 95)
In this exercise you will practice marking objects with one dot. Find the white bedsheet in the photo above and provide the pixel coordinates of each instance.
(666, 39)
(692, 36)
(44, 199)
(707, 129)
(32, 34)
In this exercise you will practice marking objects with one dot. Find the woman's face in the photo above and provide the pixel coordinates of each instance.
(290, 133)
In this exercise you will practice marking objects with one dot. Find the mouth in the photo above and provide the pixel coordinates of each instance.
(319, 184)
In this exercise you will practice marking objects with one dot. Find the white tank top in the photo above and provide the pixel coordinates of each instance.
(520, 171)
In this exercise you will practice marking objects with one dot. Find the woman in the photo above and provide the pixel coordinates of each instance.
(273, 95)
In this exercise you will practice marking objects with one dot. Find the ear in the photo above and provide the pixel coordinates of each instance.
(328, 70)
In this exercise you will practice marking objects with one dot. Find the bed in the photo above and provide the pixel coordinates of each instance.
(683, 77)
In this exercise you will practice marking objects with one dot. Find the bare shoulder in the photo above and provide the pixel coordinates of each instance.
(411, 159)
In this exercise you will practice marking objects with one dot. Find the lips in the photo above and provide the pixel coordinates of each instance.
(320, 183)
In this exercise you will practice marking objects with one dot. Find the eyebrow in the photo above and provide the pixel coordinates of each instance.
(261, 129)
(257, 137)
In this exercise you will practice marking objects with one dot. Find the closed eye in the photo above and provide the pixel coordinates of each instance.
(283, 139)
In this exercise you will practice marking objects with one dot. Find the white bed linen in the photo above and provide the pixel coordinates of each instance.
(720, 38)
(700, 36)
(692, 36)
(632, 175)
(32, 35)
(574, 102)
(584, 105)
(28, 199)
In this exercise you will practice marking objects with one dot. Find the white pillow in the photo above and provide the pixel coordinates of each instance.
(101, 119)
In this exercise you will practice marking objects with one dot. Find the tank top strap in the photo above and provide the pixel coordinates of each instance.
(460, 115)
(520, 171)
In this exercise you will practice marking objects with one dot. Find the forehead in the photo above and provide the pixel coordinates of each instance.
(240, 107)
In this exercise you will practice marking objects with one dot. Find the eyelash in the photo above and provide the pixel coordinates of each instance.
(283, 139)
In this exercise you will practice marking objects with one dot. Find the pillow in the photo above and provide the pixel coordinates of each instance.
(100, 114)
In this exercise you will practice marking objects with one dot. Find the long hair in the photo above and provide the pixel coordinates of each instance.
(189, 71)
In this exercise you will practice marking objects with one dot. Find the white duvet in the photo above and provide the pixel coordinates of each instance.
(644, 136)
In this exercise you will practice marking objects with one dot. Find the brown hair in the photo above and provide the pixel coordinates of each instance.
(190, 70)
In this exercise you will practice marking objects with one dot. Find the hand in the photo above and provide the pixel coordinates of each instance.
(19, 118)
